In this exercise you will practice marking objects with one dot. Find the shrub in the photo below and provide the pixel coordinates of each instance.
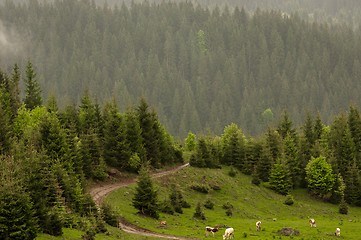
(343, 207)
(229, 209)
(289, 200)
(215, 187)
(209, 204)
(199, 213)
(109, 216)
(166, 207)
(202, 188)
(232, 172)
(185, 204)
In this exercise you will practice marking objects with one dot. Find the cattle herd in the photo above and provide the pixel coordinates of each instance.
(229, 232)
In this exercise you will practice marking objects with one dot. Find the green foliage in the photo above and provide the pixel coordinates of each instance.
(176, 199)
(146, 197)
(190, 141)
(17, 216)
(320, 177)
(229, 208)
(209, 204)
(202, 188)
(166, 207)
(198, 214)
(33, 96)
(279, 179)
(343, 207)
(289, 200)
(232, 172)
(233, 146)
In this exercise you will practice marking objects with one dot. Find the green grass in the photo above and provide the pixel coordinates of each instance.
(251, 203)
(113, 234)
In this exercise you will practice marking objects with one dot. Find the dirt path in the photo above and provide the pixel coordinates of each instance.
(98, 194)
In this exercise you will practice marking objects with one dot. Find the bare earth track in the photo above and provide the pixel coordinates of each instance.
(98, 194)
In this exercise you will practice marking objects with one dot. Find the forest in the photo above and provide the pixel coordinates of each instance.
(87, 88)
(201, 69)
(49, 155)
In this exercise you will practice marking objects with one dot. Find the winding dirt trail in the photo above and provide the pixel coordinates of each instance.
(98, 194)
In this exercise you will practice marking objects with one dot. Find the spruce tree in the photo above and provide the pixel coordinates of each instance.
(33, 97)
(279, 179)
(145, 199)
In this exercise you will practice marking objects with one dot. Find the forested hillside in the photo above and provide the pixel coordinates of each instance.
(201, 69)
(48, 156)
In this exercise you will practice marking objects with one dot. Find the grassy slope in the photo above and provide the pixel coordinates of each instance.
(114, 234)
(251, 203)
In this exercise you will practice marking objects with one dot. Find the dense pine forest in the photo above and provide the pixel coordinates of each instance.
(201, 69)
(86, 89)
(48, 156)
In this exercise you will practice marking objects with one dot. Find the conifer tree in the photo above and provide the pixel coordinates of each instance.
(17, 217)
(233, 146)
(279, 179)
(33, 97)
(116, 147)
(320, 177)
(145, 199)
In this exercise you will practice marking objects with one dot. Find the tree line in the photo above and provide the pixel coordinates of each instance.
(48, 155)
(325, 159)
(201, 69)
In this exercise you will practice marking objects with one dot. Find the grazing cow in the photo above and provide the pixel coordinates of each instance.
(228, 234)
(212, 230)
(312, 222)
(163, 223)
(338, 232)
(258, 226)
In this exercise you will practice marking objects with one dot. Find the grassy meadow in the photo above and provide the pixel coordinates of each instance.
(114, 234)
(250, 204)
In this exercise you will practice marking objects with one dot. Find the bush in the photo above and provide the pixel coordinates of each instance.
(202, 188)
(166, 207)
(232, 172)
(185, 204)
(209, 204)
(109, 216)
(289, 200)
(199, 213)
(229, 209)
(343, 207)
(215, 187)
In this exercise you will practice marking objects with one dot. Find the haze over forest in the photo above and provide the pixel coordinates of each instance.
(200, 68)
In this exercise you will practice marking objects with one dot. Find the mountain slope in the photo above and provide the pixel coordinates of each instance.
(250, 202)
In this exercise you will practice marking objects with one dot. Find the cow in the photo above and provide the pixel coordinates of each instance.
(338, 232)
(258, 226)
(312, 222)
(228, 233)
(212, 230)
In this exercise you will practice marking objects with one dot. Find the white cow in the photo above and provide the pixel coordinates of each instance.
(312, 222)
(258, 225)
(338, 232)
(228, 234)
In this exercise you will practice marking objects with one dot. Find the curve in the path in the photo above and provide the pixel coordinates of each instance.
(100, 192)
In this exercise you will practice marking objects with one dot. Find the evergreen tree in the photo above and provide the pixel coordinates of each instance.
(353, 185)
(33, 97)
(116, 147)
(146, 196)
(279, 179)
(354, 123)
(15, 90)
(17, 217)
(285, 126)
(134, 135)
(233, 146)
(320, 177)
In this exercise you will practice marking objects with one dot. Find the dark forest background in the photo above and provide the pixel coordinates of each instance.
(200, 68)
